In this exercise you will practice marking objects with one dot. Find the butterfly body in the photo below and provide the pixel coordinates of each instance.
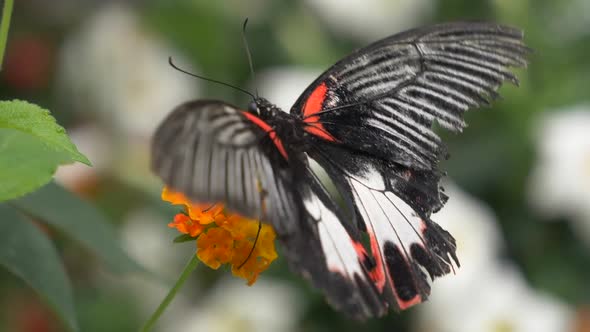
(288, 127)
(368, 122)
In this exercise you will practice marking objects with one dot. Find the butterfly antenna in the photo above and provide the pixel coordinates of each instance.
(253, 245)
(248, 54)
(208, 79)
(263, 194)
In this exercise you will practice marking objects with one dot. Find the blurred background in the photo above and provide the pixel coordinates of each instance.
(518, 177)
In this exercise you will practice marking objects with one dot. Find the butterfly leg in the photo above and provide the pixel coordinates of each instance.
(263, 195)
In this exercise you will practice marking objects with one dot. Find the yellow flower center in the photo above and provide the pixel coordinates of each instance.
(223, 237)
(502, 326)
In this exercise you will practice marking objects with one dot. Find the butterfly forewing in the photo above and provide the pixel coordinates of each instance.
(384, 99)
(212, 152)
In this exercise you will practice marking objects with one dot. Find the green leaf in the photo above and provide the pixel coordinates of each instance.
(79, 220)
(183, 238)
(27, 253)
(32, 146)
(25, 163)
(33, 120)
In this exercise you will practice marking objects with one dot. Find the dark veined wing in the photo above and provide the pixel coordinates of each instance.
(213, 152)
(377, 106)
(383, 99)
(392, 204)
(328, 251)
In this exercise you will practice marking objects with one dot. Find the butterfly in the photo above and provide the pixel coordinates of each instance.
(368, 122)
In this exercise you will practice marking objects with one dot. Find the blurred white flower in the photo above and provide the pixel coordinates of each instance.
(132, 165)
(503, 302)
(559, 184)
(148, 241)
(267, 306)
(283, 85)
(475, 229)
(119, 71)
(95, 144)
(486, 295)
(371, 19)
(117, 68)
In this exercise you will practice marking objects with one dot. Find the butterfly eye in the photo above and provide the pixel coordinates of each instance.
(253, 107)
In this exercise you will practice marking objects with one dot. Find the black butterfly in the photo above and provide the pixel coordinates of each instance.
(367, 121)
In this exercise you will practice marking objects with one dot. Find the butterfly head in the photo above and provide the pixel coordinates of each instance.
(263, 108)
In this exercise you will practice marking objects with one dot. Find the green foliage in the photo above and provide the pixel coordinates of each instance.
(27, 252)
(183, 238)
(32, 146)
(4, 25)
(79, 220)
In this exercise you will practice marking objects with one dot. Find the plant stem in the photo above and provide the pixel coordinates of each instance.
(4, 24)
(190, 266)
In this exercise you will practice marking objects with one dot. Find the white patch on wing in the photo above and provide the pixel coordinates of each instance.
(337, 245)
(372, 178)
(386, 215)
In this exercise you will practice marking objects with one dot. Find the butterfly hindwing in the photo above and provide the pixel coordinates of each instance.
(383, 99)
(330, 254)
(392, 204)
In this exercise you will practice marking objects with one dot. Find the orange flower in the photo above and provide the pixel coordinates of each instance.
(186, 225)
(215, 247)
(202, 213)
(223, 237)
(260, 257)
(239, 227)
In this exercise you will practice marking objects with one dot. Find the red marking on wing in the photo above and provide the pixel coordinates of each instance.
(378, 273)
(313, 105)
(422, 226)
(379, 278)
(358, 247)
(319, 130)
(403, 305)
(268, 129)
(314, 102)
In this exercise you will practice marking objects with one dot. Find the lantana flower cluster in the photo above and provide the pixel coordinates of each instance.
(223, 237)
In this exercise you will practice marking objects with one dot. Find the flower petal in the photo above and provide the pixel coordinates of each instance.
(262, 255)
(215, 247)
(175, 198)
(240, 227)
(224, 237)
(185, 225)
